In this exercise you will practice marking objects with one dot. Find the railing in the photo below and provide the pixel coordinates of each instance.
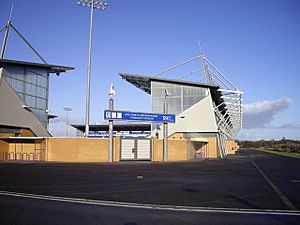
(19, 150)
(11, 155)
(31, 156)
(6, 156)
(26, 156)
(23, 156)
(18, 156)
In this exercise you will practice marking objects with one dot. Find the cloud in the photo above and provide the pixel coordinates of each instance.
(59, 119)
(57, 126)
(261, 114)
(57, 129)
(249, 135)
(294, 126)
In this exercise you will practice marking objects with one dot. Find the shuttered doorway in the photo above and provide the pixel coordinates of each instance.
(135, 149)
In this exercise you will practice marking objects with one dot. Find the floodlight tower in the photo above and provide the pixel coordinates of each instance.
(100, 4)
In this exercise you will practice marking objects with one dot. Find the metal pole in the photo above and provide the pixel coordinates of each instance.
(67, 109)
(30, 46)
(3, 28)
(99, 5)
(165, 147)
(174, 67)
(222, 75)
(111, 132)
(87, 115)
(66, 123)
(7, 26)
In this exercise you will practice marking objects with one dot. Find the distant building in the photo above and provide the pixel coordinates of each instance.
(121, 130)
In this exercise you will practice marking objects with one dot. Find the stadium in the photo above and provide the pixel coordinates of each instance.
(208, 116)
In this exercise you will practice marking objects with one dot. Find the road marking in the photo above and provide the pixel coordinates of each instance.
(295, 181)
(285, 200)
(152, 206)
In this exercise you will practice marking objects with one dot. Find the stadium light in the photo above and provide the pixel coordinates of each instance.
(96, 4)
(101, 4)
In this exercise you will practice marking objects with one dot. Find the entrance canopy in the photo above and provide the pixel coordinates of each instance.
(22, 140)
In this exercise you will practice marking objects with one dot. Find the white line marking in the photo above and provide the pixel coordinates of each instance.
(284, 199)
(295, 181)
(152, 206)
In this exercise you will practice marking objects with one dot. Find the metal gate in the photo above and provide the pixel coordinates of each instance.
(135, 149)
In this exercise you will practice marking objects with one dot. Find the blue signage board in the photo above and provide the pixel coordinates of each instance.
(139, 116)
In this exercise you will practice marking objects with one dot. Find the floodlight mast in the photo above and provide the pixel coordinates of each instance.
(6, 28)
(101, 4)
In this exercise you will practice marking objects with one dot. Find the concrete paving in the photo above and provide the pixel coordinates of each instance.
(233, 182)
(230, 183)
(20, 211)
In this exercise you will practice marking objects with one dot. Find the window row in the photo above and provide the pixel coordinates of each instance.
(177, 90)
(36, 80)
(36, 103)
(26, 88)
(41, 115)
(182, 97)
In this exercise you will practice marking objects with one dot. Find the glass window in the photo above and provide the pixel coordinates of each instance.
(189, 101)
(182, 96)
(174, 105)
(30, 89)
(14, 71)
(31, 77)
(41, 115)
(42, 81)
(41, 103)
(31, 84)
(37, 70)
(30, 101)
(17, 85)
(41, 92)
(157, 109)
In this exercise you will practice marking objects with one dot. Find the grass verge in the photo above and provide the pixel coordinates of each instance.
(288, 154)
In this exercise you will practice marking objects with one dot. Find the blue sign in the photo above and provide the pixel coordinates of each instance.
(139, 116)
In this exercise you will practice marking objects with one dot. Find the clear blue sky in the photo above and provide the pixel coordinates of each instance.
(255, 43)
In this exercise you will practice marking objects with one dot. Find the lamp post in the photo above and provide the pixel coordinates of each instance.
(165, 141)
(100, 4)
(111, 94)
(67, 109)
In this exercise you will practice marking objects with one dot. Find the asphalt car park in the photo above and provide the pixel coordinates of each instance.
(250, 180)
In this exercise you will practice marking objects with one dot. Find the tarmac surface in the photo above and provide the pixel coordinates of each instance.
(24, 211)
(249, 180)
